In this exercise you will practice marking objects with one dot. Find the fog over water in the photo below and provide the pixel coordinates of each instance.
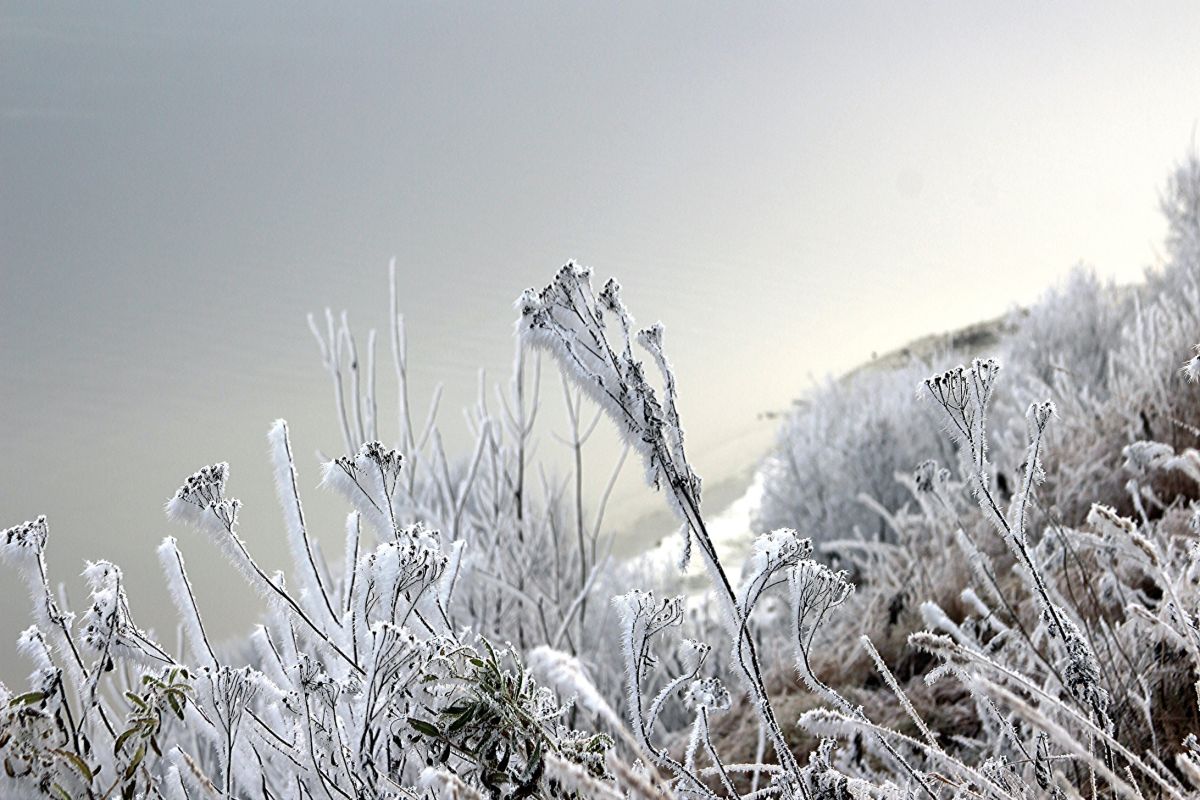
(789, 191)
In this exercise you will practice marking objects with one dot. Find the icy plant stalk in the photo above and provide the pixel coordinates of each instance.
(592, 337)
(963, 394)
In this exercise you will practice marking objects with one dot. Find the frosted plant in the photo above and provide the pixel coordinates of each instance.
(815, 475)
(536, 552)
(571, 322)
(591, 336)
(356, 687)
(367, 681)
(964, 395)
(1036, 681)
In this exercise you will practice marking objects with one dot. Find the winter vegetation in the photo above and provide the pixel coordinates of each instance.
(976, 575)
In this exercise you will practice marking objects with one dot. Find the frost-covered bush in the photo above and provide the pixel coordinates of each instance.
(532, 539)
(820, 471)
(1102, 353)
(359, 685)
(1035, 629)
(375, 677)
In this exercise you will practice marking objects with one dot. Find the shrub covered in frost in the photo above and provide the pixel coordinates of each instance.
(1038, 648)
(1104, 354)
(359, 685)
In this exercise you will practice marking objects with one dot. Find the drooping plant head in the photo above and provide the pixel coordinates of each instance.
(592, 338)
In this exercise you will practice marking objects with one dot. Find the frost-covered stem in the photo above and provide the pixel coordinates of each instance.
(411, 443)
(577, 451)
(307, 572)
(825, 720)
(574, 406)
(238, 550)
(519, 422)
(24, 547)
(1020, 546)
(964, 394)
(180, 589)
(1046, 724)
(326, 784)
(760, 753)
(745, 651)
(643, 618)
(372, 410)
(606, 495)
(570, 321)
(1110, 640)
(815, 587)
(400, 361)
(988, 576)
(641, 730)
(464, 487)
(355, 381)
(331, 355)
(718, 765)
(982, 375)
(576, 605)
(897, 690)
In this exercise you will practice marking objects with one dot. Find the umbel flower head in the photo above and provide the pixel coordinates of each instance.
(708, 693)
(368, 479)
(201, 500)
(28, 537)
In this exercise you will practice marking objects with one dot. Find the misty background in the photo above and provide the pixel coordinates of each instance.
(790, 190)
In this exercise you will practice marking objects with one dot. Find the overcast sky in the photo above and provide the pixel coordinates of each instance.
(788, 187)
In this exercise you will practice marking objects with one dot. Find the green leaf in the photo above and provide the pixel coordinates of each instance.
(461, 720)
(27, 699)
(78, 763)
(133, 765)
(423, 727)
(124, 737)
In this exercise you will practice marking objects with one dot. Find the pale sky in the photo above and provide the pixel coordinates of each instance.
(789, 187)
